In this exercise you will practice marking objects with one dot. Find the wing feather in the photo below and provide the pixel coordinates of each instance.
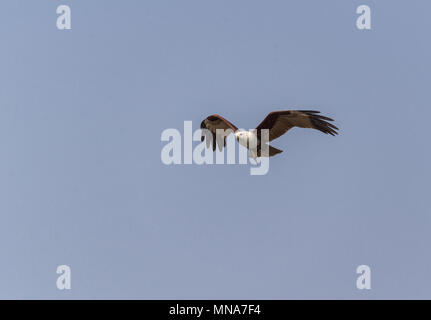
(209, 127)
(279, 122)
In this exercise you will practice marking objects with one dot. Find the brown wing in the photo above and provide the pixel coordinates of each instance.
(279, 122)
(209, 130)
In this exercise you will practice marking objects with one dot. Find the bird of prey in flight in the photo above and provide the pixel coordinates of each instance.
(277, 123)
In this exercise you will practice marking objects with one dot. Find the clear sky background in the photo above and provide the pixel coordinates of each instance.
(82, 183)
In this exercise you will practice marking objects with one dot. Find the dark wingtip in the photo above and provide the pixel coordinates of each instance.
(321, 123)
(203, 126)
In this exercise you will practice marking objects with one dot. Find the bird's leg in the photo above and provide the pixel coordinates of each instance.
(254, 157)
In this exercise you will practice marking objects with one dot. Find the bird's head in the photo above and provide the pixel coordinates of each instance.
(240, 135)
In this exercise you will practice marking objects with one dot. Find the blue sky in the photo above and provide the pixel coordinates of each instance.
(82, 183)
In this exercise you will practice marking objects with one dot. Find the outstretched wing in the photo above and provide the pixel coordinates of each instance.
(209, 130)
(279, 122)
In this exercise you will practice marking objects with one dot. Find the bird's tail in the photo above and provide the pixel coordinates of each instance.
(271, 152)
